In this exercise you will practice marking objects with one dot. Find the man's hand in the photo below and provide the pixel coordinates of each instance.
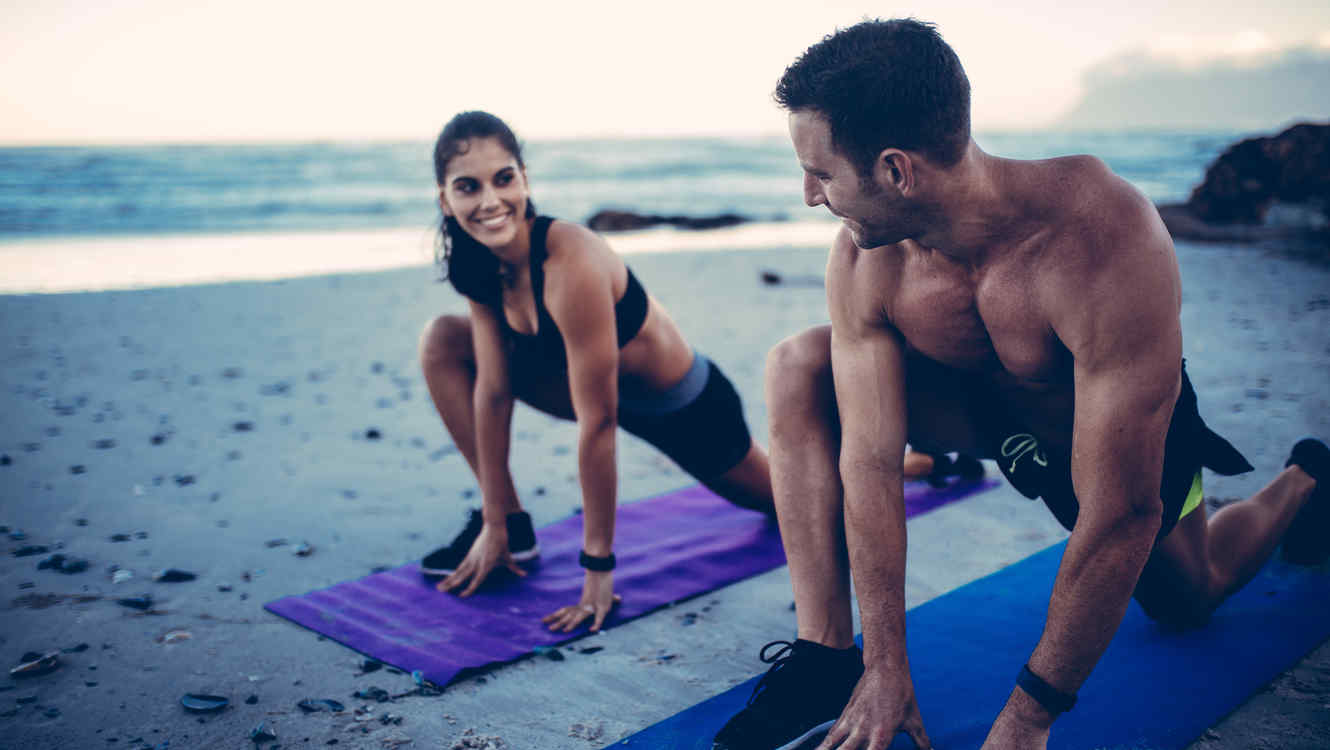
(882, 705)
(598, 598)
(488, 552)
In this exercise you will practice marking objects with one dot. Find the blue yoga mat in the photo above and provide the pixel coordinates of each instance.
(1153, 689)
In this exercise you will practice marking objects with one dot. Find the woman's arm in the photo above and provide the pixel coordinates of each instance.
(493, 405)
(580, 296)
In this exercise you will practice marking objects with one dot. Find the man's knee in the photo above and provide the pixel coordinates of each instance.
(798, 363)
(445, 339)
(1173, 598)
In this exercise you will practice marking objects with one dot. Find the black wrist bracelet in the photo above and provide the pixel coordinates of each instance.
(598, 564)
(1053, 700)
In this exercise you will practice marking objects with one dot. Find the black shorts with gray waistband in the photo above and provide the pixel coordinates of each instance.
(699, 423)
(1037, 470)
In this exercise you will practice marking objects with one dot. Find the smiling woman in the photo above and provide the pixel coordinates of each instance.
(559, 322)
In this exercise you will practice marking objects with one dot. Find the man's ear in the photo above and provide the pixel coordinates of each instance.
(894, 168)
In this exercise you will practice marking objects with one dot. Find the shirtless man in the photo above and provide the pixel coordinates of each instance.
(1026, 311)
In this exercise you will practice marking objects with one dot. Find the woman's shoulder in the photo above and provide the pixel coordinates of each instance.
(570, 241)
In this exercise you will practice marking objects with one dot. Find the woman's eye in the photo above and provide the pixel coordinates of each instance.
(503, 179)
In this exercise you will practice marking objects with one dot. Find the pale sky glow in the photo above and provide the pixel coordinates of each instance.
(134, 71)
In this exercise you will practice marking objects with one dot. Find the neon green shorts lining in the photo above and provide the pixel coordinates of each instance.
(1194, 497)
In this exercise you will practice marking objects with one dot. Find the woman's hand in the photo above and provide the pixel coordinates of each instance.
(488, 552)
(598, 598)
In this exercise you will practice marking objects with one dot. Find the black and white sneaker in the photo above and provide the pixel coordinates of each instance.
(521, 543)
(800, 697)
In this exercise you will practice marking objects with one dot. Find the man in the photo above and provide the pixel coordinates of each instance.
(1026, 311)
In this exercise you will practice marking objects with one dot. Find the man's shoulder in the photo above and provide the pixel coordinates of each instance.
(1093, 204)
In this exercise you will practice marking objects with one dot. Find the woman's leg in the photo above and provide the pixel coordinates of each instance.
(748, 484)
(448, 360)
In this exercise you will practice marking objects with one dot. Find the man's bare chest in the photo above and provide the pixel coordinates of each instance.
(990, 326)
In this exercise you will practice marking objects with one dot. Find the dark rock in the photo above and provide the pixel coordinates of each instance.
(251, 700)
(78, 469)
(141, 603)
(62, 564)
(174, 575)
(372, 693)
(627, 221)
(5, 460)
(104, 444)
(184, 480)
(243, 426)
(1292, 167)
(30, 550)
(373, 434)
(121, 537)
(1266, 188)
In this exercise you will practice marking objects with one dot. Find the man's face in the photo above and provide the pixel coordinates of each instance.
(875, 216)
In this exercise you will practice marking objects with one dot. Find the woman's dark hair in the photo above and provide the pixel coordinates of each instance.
(884, 84)
(461, 258)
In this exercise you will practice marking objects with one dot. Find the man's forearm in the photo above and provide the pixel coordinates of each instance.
(1094, 585)
(875, 535)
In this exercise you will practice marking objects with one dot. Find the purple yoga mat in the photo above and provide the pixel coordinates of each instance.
(669, 547)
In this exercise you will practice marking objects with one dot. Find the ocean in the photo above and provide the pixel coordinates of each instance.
(57, 202)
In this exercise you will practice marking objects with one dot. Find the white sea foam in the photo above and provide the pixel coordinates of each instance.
(105, 263)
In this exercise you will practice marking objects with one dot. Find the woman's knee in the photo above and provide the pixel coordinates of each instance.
(445, 340)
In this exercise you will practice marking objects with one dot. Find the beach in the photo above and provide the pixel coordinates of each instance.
(220, 426)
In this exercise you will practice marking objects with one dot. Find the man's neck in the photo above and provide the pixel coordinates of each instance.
(975, 213)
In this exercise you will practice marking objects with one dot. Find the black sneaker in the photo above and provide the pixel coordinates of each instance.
(1307, 541)
(521, 543)
(800, 697)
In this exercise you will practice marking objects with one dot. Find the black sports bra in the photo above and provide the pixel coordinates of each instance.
(630, 312)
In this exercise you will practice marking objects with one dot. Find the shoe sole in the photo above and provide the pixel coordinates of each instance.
(526, 555)
(817, 731)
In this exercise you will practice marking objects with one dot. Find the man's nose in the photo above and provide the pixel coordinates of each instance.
(812, 191)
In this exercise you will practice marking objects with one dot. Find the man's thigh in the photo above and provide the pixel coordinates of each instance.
(1173, 587)
(938, 400)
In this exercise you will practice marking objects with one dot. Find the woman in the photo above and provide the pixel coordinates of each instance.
(558, 321)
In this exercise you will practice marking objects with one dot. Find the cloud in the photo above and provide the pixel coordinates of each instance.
(1237, 83)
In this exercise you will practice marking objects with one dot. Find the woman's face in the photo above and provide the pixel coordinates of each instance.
(485, 190)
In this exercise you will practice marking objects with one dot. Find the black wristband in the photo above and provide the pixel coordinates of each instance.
(598, 564)
(1053, 700)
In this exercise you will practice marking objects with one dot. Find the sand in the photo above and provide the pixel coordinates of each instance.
(206, 421)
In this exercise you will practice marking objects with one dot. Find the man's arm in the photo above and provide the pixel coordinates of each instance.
(868, 367)
(1115, 305)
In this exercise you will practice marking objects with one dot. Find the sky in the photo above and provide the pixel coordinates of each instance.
(151, 71)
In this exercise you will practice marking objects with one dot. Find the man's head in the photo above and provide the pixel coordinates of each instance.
(870, 106)
(884, 84)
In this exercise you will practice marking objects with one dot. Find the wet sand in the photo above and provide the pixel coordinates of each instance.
(205, 424)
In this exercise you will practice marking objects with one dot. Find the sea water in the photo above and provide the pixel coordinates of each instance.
(113, 217)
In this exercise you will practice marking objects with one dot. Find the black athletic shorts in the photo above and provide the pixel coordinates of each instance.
(700, 426)
(1037, 470)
